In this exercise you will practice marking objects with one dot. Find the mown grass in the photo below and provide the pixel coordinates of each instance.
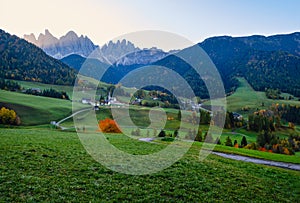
(39, 165)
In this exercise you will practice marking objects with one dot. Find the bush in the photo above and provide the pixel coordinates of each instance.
(8, 116)
(162, 134)
(109, 126)
(251, 146)
(168, 139)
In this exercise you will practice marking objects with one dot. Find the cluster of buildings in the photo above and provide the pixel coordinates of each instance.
(103, 102)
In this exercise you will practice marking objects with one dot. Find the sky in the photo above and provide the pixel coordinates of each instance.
(196, 20)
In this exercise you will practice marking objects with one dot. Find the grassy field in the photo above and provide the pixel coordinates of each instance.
(38, 164)
(246, 96)
(34, 110)
(67, 89)
(42, 86)
(140, 117)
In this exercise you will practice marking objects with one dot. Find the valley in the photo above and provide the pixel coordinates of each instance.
(44, 157)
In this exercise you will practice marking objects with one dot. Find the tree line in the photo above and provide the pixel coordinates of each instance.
(9, 85)
(15, 86)
(49, 93)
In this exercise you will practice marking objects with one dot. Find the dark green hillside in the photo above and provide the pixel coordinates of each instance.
(76, 61)
(266, 62)
(287, 43)
(92, 66)
(21, 60)
(276, 70)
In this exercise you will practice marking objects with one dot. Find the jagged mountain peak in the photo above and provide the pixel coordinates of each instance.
(70, 35)
(121, 52)
(47, 39)
(63, 46)
(31, 38)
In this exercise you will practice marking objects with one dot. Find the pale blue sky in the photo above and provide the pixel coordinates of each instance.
(196, 20)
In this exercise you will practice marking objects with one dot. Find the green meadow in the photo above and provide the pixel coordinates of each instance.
(246, 97)
(36, 110)
(43, 165)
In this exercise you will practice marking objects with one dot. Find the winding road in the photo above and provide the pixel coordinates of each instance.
(259, 161)
(224, 155)
(290, 166)
(78, 112)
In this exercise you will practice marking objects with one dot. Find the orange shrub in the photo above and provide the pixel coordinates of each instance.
(109, 126)
(262, 149)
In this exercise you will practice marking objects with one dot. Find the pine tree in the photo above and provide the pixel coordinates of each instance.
(244, 142)
(162, 134)
(198, 137)
(176, 133)
(228, 142)
(179, 115)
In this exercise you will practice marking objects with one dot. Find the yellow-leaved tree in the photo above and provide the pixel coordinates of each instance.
(8, 116)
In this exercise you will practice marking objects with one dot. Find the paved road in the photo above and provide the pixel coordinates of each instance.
(248, 159)
(259, 161)
(64, 128)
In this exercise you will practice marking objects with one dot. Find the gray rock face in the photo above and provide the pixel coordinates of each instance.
(64, 46)
(145, 56)
(121, 52)
(113, 51)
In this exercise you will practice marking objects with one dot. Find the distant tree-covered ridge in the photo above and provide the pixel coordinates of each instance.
(266, 63)
(21, 60)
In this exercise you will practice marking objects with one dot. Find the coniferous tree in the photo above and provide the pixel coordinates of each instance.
(176, 133)
(198, 137)
(244, 142)
(228, 142)
(179, 115)
(162, 133)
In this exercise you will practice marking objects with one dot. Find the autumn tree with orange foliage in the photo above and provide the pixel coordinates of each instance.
(109, 126)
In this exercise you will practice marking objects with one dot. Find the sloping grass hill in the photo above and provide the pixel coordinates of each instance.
(34, 110)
